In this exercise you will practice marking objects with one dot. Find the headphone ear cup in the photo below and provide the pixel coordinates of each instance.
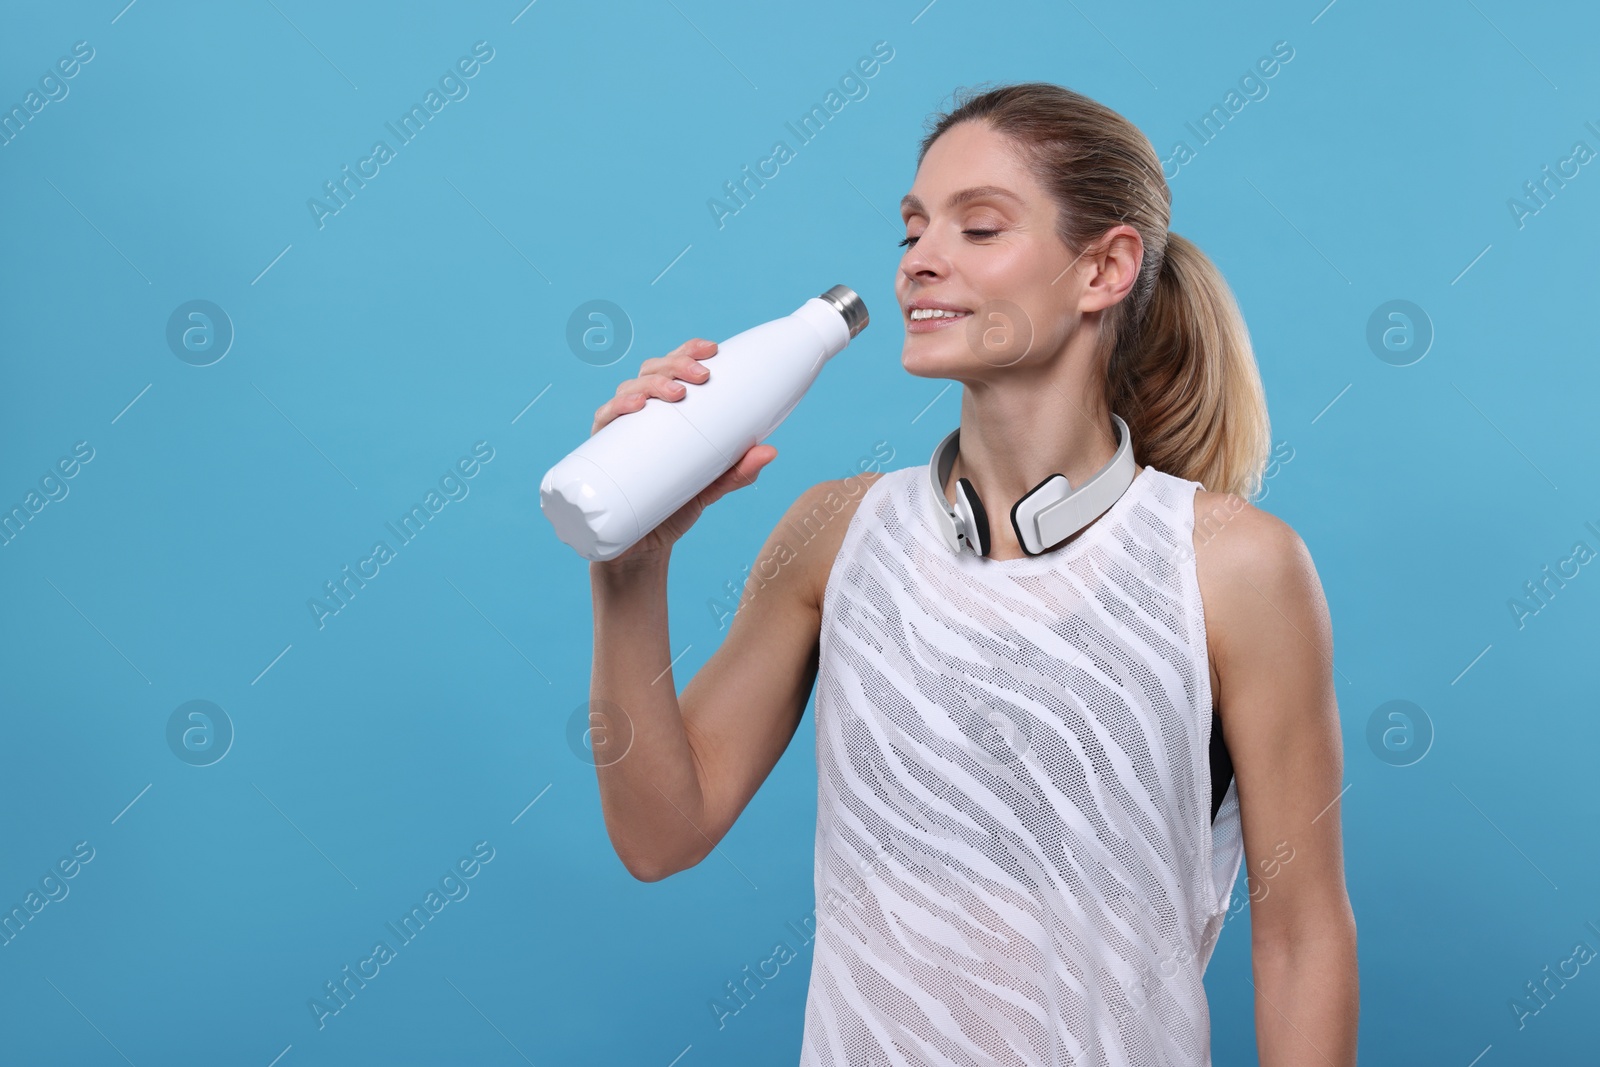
(977, 520)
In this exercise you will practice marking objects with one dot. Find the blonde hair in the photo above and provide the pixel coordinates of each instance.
(1180, 367)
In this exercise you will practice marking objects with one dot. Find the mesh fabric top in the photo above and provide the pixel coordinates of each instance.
(1015, 856)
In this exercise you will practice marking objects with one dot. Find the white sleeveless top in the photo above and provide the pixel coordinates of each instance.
(1015, 856)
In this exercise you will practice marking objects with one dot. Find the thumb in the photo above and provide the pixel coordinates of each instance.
(742, 473)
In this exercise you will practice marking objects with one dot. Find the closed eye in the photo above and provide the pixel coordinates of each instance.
(974, 233)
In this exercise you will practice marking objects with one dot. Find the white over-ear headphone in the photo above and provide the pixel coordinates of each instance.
(1045, 516)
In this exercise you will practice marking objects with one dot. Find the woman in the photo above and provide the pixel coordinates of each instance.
(1029, 825)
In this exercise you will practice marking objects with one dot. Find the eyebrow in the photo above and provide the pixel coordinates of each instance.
(977, 192)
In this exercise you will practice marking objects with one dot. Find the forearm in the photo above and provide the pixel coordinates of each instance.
(1307, 1001)
(649, 787)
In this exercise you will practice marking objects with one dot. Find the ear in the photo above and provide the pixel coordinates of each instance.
(1112, 268)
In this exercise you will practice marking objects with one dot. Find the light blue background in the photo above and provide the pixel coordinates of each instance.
(427, 314)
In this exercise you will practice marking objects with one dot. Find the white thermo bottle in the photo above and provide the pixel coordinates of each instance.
(644, 465)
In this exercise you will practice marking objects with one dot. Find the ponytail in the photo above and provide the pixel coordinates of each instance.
(1186, 381)
(1180, 369)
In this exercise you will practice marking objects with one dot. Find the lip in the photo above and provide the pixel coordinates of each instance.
(930, 325)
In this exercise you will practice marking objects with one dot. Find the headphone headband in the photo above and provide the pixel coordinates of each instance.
(1045, 516)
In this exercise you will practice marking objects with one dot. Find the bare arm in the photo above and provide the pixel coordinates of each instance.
(675, 772)
(1268, 623)
(672, 789)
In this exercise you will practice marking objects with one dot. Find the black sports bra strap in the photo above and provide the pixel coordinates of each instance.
(1221, 765)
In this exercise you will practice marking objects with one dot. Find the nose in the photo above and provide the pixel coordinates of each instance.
(922, 261)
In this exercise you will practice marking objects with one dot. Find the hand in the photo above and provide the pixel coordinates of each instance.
(659, 378)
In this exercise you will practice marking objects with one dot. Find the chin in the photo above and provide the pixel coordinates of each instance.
(932, 360)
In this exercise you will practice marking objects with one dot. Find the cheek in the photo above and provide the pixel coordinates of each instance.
(1022, 289)
(1014, 269)
(1043, 286)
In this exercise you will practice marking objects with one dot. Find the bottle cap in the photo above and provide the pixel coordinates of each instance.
(848, 304)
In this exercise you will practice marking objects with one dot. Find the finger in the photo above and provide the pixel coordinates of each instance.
(637, 391)
(640, 386)
(742, 473)
(758, 456)
(691, 369)
(695, 347)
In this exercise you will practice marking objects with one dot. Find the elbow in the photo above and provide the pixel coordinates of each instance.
(654, 870)
(642, 864)
(651, 864)
(647, 872)
(648, 869)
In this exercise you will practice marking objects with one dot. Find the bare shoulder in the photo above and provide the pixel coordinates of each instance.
(1255, 572)
(813, 529)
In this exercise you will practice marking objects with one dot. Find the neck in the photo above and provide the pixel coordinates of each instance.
(1014, 435)
(1012, 442)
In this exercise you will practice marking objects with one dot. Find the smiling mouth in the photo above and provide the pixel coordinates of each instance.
(933, 320)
